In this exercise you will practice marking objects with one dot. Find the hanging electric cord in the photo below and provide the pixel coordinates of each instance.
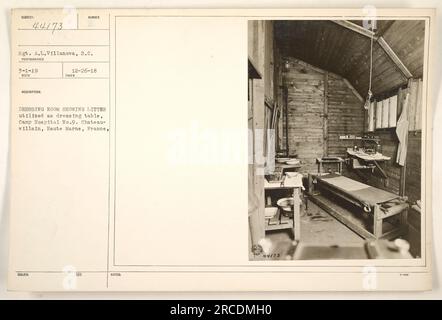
(370, 94)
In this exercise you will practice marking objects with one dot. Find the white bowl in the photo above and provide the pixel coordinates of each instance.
(293, 161)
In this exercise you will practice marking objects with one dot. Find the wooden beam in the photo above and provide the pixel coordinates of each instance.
(286, 120)
(325, 117)
(384, 45)
(356, 28)
(355, 92)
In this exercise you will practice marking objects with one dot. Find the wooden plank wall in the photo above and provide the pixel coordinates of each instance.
(268, 61)
(279, 98)
(415, 111)
(306, 99)
(413, 170)
(305, 88)
(345, 115)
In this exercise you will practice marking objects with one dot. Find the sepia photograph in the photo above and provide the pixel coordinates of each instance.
(132, 163)
(335, 118)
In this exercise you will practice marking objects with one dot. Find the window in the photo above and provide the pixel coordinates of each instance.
(382, 114)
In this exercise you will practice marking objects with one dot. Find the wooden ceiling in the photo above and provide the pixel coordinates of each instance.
(335, 48)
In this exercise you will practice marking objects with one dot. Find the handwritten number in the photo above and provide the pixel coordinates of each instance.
(54, 26)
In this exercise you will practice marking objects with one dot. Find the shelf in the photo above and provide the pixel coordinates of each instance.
(279, 222)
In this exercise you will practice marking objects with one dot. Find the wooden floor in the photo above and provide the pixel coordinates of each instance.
(318, 227)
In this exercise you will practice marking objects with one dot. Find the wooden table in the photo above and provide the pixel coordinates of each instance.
(287, 167)
(371, 161)
(371, 206)
(295, 223)
(336, 160)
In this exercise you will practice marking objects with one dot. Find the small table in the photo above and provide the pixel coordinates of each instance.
(294, 184)
(287, 167)
(320, 161)
(371, 161)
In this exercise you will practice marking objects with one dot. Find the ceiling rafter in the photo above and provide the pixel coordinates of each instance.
(356, 28)
(390, 52)
(355, 92)
(381, 41)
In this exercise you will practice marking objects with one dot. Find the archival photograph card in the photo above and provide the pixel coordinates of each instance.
(220, 150)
